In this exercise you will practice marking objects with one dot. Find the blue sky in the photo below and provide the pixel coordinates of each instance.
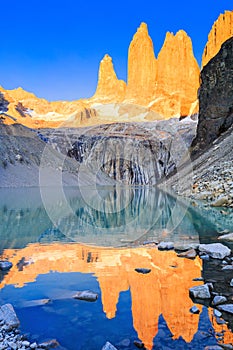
(54, 47)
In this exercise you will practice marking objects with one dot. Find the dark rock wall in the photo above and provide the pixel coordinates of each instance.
(215, 98)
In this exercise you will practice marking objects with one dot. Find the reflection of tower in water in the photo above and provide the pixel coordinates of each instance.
(165, 290)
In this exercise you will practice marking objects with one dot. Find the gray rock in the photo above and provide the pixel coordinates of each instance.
(231, 283)
(215, 250)
(52, 343)
(12, 345)
(227, 267)
(166, 245)
(217, 313)
(213, 347)
(143, 270)
(5, 265)
(223, 200)
(190, 254)
(125, 343)
(86, 295)
(227, 238)
(218, 299)
(33, 346)
(7, 313)
(200, 292)
(108, 346)
(226, 308)
(26, 343)
(194, 310)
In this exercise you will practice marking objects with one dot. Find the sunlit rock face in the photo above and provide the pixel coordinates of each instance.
(222, 30)
(178, 74)
(142, 68)
(109, 88)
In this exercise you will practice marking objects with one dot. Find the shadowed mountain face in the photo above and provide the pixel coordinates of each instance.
(216, 97)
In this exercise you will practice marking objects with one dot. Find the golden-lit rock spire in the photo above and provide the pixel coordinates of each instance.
(222, 30)
(109, 88)
(142, 67)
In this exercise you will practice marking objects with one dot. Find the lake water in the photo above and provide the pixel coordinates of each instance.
(94, 239)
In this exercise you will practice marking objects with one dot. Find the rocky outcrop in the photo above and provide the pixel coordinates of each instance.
(109, 88)
(142, 68)
(221, 31)
(215, 98)
(178, 73)
(134, 153)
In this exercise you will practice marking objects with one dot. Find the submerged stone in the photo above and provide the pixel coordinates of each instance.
(108, 346)
(86, 295)
(50, 344)
(142, 270)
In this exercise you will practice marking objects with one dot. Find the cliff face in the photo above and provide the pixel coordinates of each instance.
(178, 71)
(142, 68)
(109, 88)
(215, 98)
(221, 31)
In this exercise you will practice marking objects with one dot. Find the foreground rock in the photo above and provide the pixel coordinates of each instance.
(5, 265)
(200, 292)
(10, 337)
(190, 254)
(166, 245)
(226, 308)
(86, 295)
(228, 237)
(215, 250)
(8, 316)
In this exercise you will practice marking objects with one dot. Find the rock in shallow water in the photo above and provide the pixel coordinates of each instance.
(194, 310)
(218, 299)
(108, 346)
(227, 238)
(5, 265)
(200, 292)
(8, 315)
(190, 254)
(166, 246)
(215, 250)
(143, 271)
(86, 295)
(226, 308)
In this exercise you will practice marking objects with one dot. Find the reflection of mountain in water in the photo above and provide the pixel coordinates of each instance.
(103, 216)
(164, 291)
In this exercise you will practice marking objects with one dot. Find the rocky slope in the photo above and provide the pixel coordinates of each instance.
(27, 160)
(221, 31)
(210, 174)
(216, 98)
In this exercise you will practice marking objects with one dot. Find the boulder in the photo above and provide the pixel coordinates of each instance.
(226, 308)
(8, 315)
(215, 250)
(200, 292)
(166, 245)
(218, 299)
